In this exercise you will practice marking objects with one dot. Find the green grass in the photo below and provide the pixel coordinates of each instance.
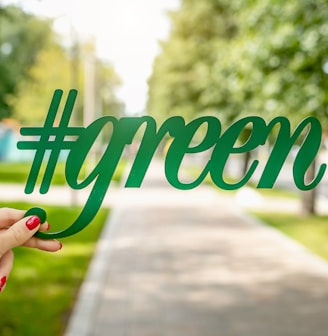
(43, 286)
(18, 172)
(311, 231)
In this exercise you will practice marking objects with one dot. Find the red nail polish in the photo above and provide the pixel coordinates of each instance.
(61, 245)
(3, 281)
(32, 222)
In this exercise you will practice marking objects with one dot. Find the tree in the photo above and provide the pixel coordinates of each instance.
(179, 84)
(51, 71)
(56, 69)
(22, 36)
(283, 49)
(108, 82)
(284, 44)
(237, 58)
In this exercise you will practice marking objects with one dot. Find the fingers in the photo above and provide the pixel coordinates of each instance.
(44, 227)
(41, 244)
(10, 216)
(45, 245)
(15, 231)
(6, 264)
(19, 233)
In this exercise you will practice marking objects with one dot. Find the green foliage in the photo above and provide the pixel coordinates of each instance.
(181, 73)
(56, 69)
(22, 36)
(43, 286)
(284, 51)
(236, 58)
(52, 70)
(33, 64)
(107, 82)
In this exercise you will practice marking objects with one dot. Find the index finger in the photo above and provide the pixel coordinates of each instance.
(9, 216)
(19, 233)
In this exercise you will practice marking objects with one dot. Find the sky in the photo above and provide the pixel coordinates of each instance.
(126, 33)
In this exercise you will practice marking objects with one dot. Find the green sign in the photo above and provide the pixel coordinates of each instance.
(52, 139)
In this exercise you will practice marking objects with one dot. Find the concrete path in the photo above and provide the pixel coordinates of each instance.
(191, 263)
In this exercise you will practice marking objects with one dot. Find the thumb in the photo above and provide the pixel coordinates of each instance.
(19, 233)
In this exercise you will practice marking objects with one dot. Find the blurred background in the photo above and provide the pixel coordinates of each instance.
(226, 58)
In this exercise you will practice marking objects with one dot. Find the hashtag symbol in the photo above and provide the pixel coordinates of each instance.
(50, 139)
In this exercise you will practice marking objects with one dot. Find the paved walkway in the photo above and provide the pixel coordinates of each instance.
(191, 263)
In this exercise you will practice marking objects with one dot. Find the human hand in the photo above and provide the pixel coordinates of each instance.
(18, 231)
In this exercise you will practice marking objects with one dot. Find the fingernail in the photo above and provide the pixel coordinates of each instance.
(48, 228)
(3, 281)
(60, 245)
(32, 222)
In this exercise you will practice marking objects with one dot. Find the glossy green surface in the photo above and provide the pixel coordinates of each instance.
(53, 139)
(41, 213)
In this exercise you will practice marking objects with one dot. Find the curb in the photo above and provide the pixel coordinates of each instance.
(84, 311)
(290, 243)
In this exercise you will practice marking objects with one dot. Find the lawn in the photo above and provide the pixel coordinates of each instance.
(43, 286)
(18, 172)
(311, 231)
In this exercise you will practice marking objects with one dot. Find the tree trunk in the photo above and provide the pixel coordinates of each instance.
(247, 157)
(309, 196)
(245, 134)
